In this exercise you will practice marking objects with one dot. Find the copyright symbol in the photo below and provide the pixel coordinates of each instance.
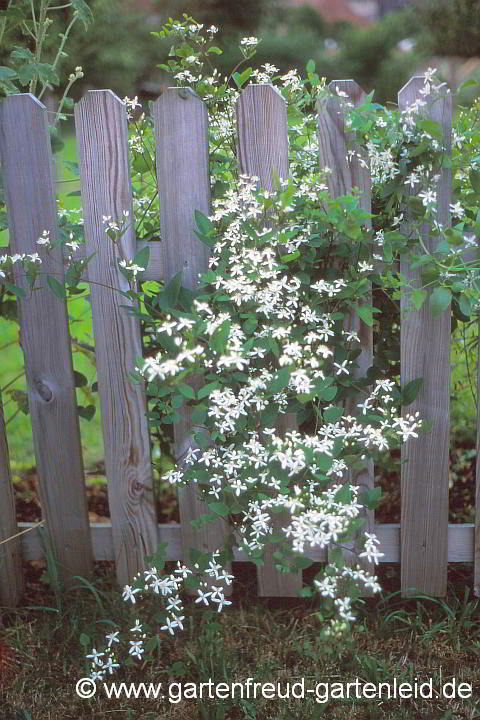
(85, 688)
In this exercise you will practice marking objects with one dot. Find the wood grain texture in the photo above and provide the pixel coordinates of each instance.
(181, 130)
(11, 577)
(425, 352)
(334, 144)
(262, 151)
(476, 580)
(27, 163)
(333, 140)
(262, 134)
(460, 543)
(101, 125)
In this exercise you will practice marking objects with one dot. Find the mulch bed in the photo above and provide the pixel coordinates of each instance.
(462, 492)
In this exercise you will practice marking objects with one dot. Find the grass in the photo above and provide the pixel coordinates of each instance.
(270, 641)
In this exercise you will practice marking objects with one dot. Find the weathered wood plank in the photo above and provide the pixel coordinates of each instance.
(460, 543)
(346, 174)
(181, 130)
(476, 582)
(262, 151)
(27, 163)
(101, 124)
(425, 352)
(11, 578)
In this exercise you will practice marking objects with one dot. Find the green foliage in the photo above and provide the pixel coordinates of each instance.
(122, 62)
(453, 26)
(33, 49)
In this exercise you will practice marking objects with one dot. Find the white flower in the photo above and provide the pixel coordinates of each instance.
(109, 665)
(249, 42)
(342, 368)
(44, 239)
(457, 210)
(170, 625)
(95, 657)
(136, 648)
(112, 638)
(129, 593)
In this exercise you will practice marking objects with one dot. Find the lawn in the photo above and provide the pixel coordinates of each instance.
(41, 657)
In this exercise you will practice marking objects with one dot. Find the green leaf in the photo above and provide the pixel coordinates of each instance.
(186, 390)
(204, 224)
(468, 83)
(418, 297)
(280, 381)
(432, 127)
(416, 206)
(329, 393)
(7, 73)
(21, 53)
(83, 11)
(215, 50)
(411, 390)
(290, 257)
(80, 379)
(465, 305)
(18, 291)
(475, 179)
(310, 66)
(335, 556)
(199, 414)
(207, 389)
(371, 497)
(84, 640)
(56, 287)
(208, 240)
(440, 300)
(302, 562)
(142, 257)
(323, 462)
(332, 414)
(168, 298)
(344, 495)
(87, 412)
(220, 337)
(365, 312)
(177, 401)
(73, 274)
(219, 508)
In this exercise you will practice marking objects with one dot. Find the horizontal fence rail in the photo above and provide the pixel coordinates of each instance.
(423, 542)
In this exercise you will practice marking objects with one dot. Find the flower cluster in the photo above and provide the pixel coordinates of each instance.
(267, 334)
(165, 590)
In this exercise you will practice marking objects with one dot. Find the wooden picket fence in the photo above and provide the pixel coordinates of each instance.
(424, 542)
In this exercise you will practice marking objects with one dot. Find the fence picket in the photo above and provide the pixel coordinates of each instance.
(423, 541)
(262, 151)
(11, 577)
(102, 136)
(181, 130)
(346, 174)
(425, 352)
(476, 580)
(27, 162)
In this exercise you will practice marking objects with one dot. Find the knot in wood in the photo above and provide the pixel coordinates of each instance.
(44, 391)
(183, 93)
